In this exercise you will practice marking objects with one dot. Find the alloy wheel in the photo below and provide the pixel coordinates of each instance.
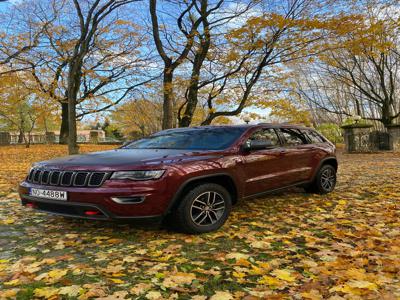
(328, 179)
(207, 208)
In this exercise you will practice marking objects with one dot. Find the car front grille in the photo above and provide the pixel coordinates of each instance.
(67, 178)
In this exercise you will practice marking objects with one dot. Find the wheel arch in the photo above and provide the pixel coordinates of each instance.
(331, 160)
(223, 179)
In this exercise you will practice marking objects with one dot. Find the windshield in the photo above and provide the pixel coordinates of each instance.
(196, 139)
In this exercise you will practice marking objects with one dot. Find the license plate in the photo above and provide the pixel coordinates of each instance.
(48, 194)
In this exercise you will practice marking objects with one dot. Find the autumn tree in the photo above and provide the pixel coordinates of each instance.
(90, 56)
(258, 52)
(361, 75)
(21, 109)
(138, 117)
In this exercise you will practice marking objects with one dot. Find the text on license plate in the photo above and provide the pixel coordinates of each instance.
(48, 194)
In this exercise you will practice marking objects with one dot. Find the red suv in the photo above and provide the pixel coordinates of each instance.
(190, 175)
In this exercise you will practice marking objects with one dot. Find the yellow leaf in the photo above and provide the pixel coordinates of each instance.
(312, 294)
(238, 274)
(153, 295)
(8, 221)
(179, 278)
(140, 288)
(117, 281)
(9, 294)
(363, 284)
(12, 282)
(71, 291)
(221, 295)
(284, 275)
(237, 256)
(272, 281)
(57, 274)
(46, 292)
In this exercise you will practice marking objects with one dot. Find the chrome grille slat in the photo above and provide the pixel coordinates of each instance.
(67, 178)
(45, 177)
(55, 178)
(36, 176)
(81, 178)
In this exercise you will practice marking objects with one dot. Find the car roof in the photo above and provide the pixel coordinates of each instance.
(242, 126)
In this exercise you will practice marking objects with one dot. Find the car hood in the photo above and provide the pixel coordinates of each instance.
(125, 159)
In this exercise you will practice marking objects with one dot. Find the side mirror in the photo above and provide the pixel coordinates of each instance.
(257, 145)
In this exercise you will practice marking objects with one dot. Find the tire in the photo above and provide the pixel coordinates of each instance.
(203, 209)
(324, 182)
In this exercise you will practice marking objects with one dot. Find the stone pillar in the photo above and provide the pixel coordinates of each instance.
(394, 137)
(357, 138)
(5, 138)
(94, 137)
(50, 137)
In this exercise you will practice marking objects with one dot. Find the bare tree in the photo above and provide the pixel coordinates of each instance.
(258, 46)
(360, 78)
(188, 28)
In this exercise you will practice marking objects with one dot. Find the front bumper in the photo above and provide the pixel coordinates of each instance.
(97, 203)
(79, 210)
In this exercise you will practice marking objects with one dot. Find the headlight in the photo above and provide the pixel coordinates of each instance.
(138, 175)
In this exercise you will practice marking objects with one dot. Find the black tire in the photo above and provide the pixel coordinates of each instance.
(324, 182)
(190, 211)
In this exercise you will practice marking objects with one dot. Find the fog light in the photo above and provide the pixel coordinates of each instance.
(31, 205)
(128, 200)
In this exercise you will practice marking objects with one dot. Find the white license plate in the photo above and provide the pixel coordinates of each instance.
(48, 194)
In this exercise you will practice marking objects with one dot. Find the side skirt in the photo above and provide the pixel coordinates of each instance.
(276, 190)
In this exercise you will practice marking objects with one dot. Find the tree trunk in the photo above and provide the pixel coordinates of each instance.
(191, 105)
(74, 79)
(208, 120)
(21, 137)
(387, 119)
(64, 124)
(200, 56)
(168, 111)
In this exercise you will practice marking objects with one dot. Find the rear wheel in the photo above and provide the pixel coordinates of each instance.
(324, 182)
(203, 209)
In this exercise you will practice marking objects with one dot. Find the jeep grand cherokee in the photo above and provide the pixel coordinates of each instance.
(193, 176)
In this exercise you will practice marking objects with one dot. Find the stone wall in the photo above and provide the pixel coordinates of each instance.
(5, 138)
(394, 137)
(357, 138)
(364, 138)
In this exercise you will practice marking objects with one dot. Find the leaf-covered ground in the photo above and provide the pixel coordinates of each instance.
(292, 245)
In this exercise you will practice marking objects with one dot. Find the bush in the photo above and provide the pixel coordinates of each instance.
(332, 132)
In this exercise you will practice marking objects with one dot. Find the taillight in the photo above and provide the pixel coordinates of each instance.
(92, 212)
(31, 205)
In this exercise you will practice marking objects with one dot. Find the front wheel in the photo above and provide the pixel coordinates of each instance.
(203, 209)
(324, 182)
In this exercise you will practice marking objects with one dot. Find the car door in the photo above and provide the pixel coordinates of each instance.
(298, 155)
(261, 168)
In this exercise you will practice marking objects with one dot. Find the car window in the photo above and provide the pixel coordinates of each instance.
(293, 137)
(265, 135)
(314, 137)
(191, 139)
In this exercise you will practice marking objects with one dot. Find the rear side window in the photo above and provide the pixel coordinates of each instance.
(266, 135)
(293, 137)
(314, 137)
